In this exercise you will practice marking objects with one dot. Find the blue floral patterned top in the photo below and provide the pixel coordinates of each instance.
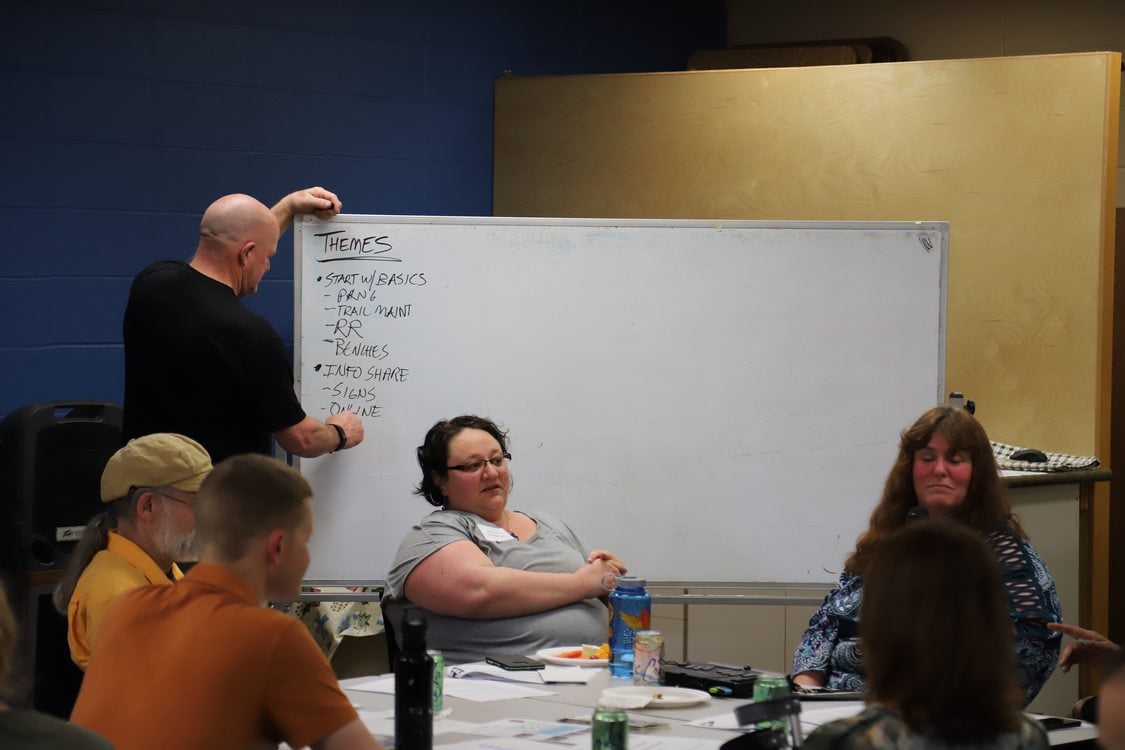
(831, 643)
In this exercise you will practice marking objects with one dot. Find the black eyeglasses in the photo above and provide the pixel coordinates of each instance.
(173, 498)
(134, 493)
(472, 467)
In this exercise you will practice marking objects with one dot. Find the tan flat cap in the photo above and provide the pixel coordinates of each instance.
(163, 459)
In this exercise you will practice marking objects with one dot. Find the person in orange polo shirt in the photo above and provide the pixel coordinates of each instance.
(147, 527)
(202, 664)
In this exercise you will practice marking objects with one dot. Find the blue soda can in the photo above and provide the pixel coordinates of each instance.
(630, 610)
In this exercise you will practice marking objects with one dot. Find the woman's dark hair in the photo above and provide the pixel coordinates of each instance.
(986, 506)
(433, 453)
(936, 633)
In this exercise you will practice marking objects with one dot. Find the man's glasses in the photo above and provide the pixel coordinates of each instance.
(173, 498)
(472, 467)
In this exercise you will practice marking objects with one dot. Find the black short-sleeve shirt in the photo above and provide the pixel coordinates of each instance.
(199, 363)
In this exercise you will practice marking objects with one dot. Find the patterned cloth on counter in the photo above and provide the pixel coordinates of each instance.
(831, 644)
(1054, 462)
(330, 621)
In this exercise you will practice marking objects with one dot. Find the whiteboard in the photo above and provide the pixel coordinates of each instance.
(713, 401)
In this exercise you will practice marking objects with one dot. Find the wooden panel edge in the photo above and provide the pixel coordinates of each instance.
(1106, 568)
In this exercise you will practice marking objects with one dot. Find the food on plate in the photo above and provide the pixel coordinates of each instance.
(586, 652)
(595, 652)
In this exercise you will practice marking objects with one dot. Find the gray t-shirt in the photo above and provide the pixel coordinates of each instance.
(554, 548)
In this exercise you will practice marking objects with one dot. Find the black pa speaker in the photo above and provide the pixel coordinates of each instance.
(51, 461)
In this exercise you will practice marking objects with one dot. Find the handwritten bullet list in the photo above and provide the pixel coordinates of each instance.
(357, 300)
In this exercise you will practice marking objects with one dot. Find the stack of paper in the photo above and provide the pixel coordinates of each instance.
(546, 675)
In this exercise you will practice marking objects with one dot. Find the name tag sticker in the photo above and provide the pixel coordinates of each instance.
(494, 533)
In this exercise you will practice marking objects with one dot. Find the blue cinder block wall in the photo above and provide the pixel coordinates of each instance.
(122, 119)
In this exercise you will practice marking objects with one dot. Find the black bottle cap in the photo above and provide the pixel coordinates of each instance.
(413, 631)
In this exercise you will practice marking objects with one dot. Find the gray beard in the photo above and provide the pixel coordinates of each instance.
(174, 544)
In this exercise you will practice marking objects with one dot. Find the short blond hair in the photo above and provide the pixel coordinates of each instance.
(245, 497)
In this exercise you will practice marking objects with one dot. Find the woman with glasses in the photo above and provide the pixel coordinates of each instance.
(492, 580)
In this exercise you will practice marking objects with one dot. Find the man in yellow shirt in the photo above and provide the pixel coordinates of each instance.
(149, 488)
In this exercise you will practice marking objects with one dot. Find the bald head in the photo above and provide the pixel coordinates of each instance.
(237, 237)
(234, 219)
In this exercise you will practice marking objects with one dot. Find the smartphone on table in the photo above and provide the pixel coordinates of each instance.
(515, 662)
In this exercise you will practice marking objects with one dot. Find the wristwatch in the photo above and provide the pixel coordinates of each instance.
(343, 438)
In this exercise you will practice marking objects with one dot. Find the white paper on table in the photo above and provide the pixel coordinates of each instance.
(548, 674)
(635, 743)
(656, 742)
(480, 691)
(529, 729)
(811, 718)
(814, 717)
(380, 685)
(483, 691)
(495, 743)
(382, 724)
(566, 674)
(492, 672)
(719, 721)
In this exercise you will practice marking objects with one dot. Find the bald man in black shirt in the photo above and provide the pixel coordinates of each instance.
(199, 363)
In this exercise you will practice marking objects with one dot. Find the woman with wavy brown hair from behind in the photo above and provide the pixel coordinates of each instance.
(938, 649)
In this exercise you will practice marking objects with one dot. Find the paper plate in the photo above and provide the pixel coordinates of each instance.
(551, 656)
(658, 696)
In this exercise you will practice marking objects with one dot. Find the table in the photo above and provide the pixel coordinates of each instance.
(571, 700)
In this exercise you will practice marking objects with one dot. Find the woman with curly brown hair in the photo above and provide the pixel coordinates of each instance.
(945, 466)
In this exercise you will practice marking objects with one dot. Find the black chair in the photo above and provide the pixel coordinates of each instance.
(57, 678)
(392, 618)
(394, 612)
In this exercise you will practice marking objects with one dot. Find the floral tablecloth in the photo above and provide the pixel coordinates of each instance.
(330, 621)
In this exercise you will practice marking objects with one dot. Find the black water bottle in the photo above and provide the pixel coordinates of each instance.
(414, 681)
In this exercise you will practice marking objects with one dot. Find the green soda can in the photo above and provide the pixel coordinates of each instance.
(439, 680)
(609, 728)
(772, 688)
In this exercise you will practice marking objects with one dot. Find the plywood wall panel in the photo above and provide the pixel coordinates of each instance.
(1012, 151)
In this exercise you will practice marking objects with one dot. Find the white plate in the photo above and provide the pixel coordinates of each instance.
(551, 656)
(660, 696)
